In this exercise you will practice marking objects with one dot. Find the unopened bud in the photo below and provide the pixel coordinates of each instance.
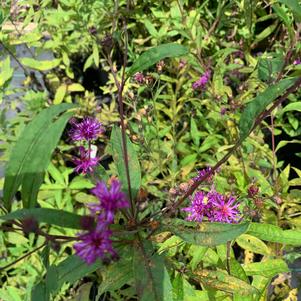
(160, 65)
(87, 222)
(253, 191)
(107, 43)
(278, 200)
(29, 225)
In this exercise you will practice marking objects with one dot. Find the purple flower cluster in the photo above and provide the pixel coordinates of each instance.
(85, 163)
(97, 242)
(85, 131)
(297, 62)
(88, 129)
(202, 173)
(201, 83)
(214, 206)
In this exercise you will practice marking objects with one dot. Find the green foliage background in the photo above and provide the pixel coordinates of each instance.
(174, 131)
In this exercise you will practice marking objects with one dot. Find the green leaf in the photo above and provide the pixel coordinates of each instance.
(264, 34)
(155, 54)
(46, 215)
(275, 234)
(119, 273)
(259, 103)
(34, 171)
(60, 94)
(151, 277)
(295, 106)
(134, 166)
(74, 268)
(221, 281)
(89, 62)
(197, 253)
(95, 54)
(205, 234)
(31, 154)
(6, 71)
(269, 66)
(68, 271)
(268, 268)
(294, 5)
(39, 292)
(195, 136)
(253, 244)
(40, 65)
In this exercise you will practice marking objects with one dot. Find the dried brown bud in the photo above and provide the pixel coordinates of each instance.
(134, 138)
(173, 191)
(258, 203)
(183, 186)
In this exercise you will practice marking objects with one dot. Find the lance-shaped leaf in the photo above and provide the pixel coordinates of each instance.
(42, 65)
(68, 271)
(151, 277)
(205, 234)
(268, 268)
(222, 281)
(155, 54)
(31, 154)
(134, 166)
(253, 244)
(46, 215)
(273, 233)
(259, 103)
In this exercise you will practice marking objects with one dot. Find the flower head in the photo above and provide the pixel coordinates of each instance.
(297, 62)
(94, 245)
(88, 129)
(224, 209)
(202, 173)
(202, 81)
(110, 200)
(85, 163)
(198, 208)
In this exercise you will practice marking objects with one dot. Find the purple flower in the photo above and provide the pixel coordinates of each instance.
(202, 81)
(139, 77)
(85, 163)
(297, 62)
(110, 200)
(198, 208)
(202, 173)
(88, 129)
(225, 210)
(213, 206)
(94, 245)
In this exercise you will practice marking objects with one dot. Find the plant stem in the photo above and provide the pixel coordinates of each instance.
(22, 257)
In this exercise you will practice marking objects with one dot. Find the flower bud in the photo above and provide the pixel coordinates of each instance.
(253, 191)
(29, 225)
(87, 222)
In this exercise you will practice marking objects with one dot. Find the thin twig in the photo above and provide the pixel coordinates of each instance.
(22, 257)
(228, 257)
